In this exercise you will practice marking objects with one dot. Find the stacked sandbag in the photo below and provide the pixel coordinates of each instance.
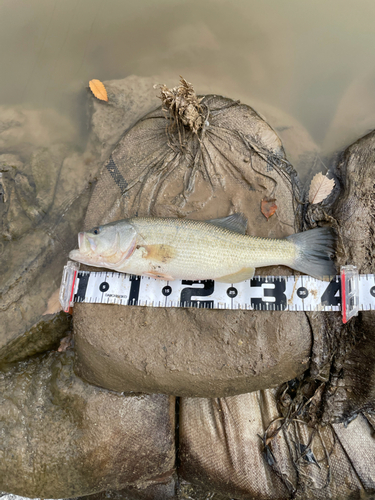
(245, 448)
(199, 158)
(61, 437)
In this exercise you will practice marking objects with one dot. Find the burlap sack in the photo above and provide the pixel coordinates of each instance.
(61, 437)
(244, 447)
(200, 158)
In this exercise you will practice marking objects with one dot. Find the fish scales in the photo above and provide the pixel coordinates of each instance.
(202, 249)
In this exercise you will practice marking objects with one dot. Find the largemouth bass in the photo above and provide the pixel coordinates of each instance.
(217, 249)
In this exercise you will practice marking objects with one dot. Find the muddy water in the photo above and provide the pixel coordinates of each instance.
(313, 60)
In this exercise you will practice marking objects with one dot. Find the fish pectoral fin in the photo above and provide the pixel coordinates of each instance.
(159, 253)
(235, 222)
(245, 273)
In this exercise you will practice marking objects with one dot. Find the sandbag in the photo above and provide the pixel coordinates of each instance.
(201, 158)
(61, 437)
(218, 355)
(342, 357)
(244, 447)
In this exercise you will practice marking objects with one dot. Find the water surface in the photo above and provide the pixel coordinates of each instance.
(313, 60)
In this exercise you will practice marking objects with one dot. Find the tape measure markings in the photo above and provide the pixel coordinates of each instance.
(261, 293)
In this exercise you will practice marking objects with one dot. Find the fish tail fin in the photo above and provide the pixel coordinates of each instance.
(314, 250)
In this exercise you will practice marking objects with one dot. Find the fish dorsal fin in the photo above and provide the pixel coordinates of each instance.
(235, 222)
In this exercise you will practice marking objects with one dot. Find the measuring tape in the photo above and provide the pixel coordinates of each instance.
(261, 293)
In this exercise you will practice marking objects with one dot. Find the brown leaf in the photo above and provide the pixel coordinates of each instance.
(268, 207)
(320, 188)
(53, 305)
(98, 89)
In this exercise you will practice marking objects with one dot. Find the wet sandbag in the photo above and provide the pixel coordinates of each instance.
(45, 186)
(196, 353)
(199, 158)
(61, 437)
(243, 447)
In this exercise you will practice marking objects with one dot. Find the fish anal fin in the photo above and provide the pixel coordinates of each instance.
(159, 253)
(158, 275)
(235, 222)
(246, 273)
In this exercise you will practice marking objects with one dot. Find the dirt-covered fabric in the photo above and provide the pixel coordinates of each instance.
(195, 353)
(157, 491)
(61, 437)
(244, 447)
(161, 167)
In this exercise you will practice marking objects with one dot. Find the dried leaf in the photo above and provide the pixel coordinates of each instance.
(320, 188)
(53, 305)
(268, 207)
(98, 89)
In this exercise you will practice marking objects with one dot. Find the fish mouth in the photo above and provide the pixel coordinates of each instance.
(87, 252)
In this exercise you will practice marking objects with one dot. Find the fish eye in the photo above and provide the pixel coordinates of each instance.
(96, 230)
